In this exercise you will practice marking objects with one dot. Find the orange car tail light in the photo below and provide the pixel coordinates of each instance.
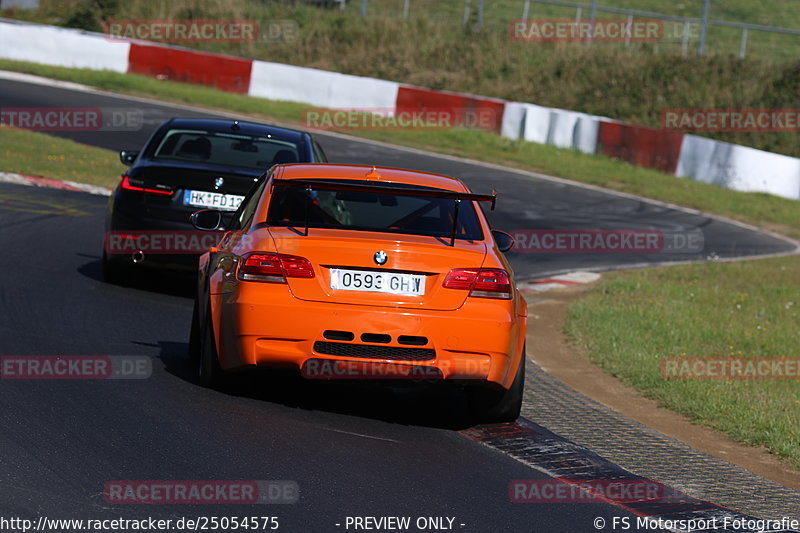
(274, 268)
(128, 185)
(296, 267)
(481, 282)
(461, 278)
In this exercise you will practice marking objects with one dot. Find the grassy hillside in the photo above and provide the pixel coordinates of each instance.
(432, 48)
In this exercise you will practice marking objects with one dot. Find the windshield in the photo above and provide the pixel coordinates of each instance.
(228, 149)
(368, 211)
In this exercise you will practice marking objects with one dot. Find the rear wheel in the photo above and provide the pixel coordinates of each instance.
(501, 406)
(207, 369)
(113, 272)
(194, 336)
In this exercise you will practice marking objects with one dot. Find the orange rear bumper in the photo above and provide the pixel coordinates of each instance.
(265, 325)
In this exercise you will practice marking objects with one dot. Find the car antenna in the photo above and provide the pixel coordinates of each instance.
(455, 222)
(308, 199)
(235, 126)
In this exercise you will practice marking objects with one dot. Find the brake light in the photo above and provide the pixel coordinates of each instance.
(296, 267)
(461, 278)
(139, 187)
(480, 282)
(274, 268)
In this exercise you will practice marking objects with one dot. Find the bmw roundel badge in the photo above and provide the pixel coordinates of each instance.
(380, 257)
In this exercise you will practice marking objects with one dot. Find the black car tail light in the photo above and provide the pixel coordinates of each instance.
(138, 186)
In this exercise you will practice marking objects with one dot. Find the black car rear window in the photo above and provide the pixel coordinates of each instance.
(229, 149)
(393, 212)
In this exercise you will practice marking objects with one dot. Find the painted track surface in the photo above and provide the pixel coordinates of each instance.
(352, 450)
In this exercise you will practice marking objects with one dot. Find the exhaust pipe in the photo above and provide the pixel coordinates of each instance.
(137, 256)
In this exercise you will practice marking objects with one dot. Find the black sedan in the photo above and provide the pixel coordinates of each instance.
(186, 165)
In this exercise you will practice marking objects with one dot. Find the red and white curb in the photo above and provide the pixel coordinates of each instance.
(561, 281)
(35, 181)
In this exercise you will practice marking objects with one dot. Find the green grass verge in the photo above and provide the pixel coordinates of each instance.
(764, 209)
(37, 154)
(632, 320)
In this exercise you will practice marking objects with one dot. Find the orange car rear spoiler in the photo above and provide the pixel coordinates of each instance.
(456, 196)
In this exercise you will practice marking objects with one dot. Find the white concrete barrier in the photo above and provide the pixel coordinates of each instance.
(290, 83)
(548, 125)
(570, 129)
(738, 167)
(537, 123)
(513, 120)
(62, 47)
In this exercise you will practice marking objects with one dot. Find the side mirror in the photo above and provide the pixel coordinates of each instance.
(505, 241)
(127, 157)
(207, 219)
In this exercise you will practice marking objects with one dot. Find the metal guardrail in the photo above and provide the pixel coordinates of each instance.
(474, 13)
(703, 20)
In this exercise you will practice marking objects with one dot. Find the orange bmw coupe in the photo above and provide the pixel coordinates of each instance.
(353, 272)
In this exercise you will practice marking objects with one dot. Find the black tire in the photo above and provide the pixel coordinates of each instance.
(194, 335)
(112, 271)
(501, 406)
(207, 369)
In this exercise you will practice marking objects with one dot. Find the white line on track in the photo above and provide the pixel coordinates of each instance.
(359, 435)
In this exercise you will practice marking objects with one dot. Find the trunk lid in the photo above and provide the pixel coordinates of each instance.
(182, 179)
(430, 258)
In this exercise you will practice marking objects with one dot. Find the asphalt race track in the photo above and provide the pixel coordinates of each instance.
(352, 450)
